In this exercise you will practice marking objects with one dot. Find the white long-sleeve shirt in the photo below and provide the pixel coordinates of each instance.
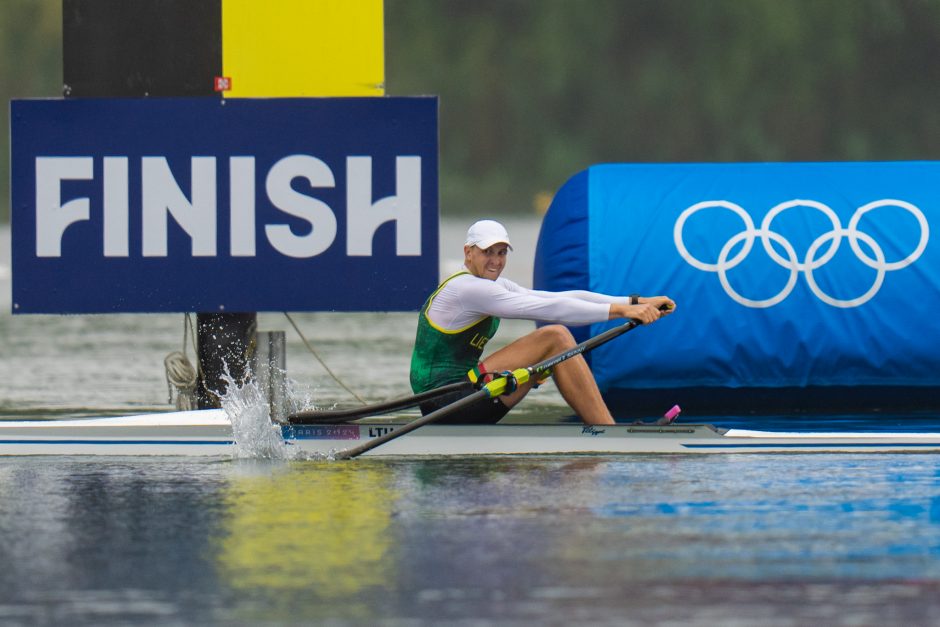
(467, 298)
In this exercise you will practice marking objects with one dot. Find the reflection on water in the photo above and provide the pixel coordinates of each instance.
(777, 539)
(104, 541)
(312, 535)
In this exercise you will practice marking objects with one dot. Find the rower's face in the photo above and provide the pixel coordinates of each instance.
(486, 264)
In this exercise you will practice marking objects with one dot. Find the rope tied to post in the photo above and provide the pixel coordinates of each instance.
(181, 375)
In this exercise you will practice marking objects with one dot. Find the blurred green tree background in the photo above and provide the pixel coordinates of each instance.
(30, 66)
(533, 91)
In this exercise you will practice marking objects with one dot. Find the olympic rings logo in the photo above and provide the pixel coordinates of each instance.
(810, 262)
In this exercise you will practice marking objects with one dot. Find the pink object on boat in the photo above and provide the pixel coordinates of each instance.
(672, 413)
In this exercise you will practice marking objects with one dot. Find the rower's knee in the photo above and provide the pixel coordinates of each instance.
(558, 336)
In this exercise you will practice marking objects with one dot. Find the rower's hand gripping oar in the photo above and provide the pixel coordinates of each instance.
(504, 383)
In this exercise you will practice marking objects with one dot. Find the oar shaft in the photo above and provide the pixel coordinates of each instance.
(585, 346)
(588, 344)
(321, 416)
(411, 426)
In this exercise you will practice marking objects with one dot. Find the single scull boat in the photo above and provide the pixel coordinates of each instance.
(209, 433)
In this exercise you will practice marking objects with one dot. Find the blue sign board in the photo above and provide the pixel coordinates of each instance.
(239, 205)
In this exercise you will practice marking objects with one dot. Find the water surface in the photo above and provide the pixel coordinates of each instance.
(775, 539)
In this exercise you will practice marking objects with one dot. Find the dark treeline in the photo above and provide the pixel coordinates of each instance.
(533, 91)
(30, 66)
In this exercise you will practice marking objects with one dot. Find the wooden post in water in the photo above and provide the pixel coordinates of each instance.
(226, 344)
(158, 48)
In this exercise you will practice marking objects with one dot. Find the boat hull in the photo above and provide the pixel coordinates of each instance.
(192, 433)
(563, 439)
(209, 433)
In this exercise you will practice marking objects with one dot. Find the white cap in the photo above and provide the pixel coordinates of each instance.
(485, 233)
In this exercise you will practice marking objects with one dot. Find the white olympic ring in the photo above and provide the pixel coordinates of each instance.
(792, 262)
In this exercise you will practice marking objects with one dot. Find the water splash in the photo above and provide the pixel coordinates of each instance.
(257, 436)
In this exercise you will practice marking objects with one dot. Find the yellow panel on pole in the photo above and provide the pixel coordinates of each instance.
(285, 48)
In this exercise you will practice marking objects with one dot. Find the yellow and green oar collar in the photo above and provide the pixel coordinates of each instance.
(477, 378)
(506, 382)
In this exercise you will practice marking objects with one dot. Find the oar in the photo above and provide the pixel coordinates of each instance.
(494, 388)
(333, 416)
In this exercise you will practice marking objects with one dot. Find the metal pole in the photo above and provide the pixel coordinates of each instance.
(269, 366)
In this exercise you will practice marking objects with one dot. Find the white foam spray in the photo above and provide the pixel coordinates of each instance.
(245, 404)
(256, 437)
